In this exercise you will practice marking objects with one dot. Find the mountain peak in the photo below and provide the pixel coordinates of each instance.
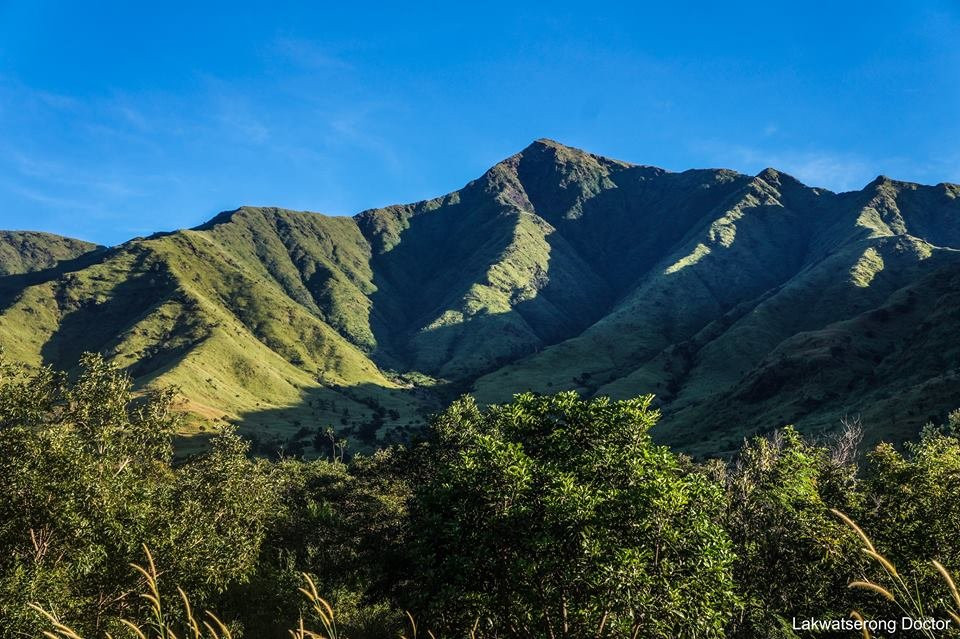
(883, 181)
(777, 178)
(547, 146)
(556, 269)
(220, 218)
(879, 181)
(769, 174)
(28, 251)
(550, 150)
(548, 142)
(247, 212)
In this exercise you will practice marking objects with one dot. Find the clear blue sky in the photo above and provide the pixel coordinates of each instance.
(119, 119)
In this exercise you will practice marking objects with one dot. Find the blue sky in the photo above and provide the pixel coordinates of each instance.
(120, 119)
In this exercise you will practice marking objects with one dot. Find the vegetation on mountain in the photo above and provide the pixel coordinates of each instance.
(743, 302)
(545, 517)
(28, 251)
(442, 409)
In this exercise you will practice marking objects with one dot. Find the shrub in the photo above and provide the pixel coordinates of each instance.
(794, 558)
(558, 517)
(88, 477)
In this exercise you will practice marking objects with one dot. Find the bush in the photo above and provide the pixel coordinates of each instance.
(88, 478)
(557, 517)
(550, 516)
(914, 513)
(794, 558)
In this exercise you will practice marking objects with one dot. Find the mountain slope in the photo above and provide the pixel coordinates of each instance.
(743, 302)
(29, 251)
(223, 312)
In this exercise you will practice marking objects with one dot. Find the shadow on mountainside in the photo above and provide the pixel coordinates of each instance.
(429, 314)
(367, 415)
(93, 322)
(12, 285)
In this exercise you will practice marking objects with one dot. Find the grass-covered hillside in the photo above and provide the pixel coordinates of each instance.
(28, 251)
(743, 302)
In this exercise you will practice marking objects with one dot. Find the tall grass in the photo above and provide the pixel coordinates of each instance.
(322, 609)
(161, 624)
(906, 597)
(162, 619)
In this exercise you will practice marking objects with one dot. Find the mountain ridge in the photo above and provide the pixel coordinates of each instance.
(555, 269)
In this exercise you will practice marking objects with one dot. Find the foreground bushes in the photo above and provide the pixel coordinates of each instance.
(546, 517)
(87, 479)
(556, 517)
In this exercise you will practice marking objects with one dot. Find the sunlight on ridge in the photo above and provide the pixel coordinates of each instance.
(866, 268)
(698, 254)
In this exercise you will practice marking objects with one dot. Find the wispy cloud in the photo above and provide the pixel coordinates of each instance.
(71, 176)
(834, 170)
(126, 160)
(353, 128)
(13, 91)
(308, 54)
(243, 124)
(44, 198)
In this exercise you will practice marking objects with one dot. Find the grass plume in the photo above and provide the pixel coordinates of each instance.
(908, 600)
(210, 627)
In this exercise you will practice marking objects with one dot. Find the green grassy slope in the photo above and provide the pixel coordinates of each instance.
(30, 251)
(895, 367)
(773, 260)
(743, 302)
(219, 318)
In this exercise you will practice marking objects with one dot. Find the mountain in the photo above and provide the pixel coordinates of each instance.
(28, 251)
(743, 302)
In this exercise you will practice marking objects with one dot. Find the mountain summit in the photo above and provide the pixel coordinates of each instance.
(743, 302)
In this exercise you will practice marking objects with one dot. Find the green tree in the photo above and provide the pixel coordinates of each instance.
(912, 510)
(343, 524)
(794, 558)
(87, 472)
(558, 517)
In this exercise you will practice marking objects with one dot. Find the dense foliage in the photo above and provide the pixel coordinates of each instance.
(550, 516)
(556, 517)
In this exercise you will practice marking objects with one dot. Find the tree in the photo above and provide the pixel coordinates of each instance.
(794, 558)
(87, 472)
(558, 517)
(914, 513)
(342, 524)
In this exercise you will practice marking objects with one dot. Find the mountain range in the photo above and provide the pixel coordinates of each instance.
(743, 302)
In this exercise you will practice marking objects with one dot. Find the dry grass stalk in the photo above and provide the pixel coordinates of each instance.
(322, 609)
(853, 526)
(157, 628)
(907, 597)
(863, 630)
(868, 585)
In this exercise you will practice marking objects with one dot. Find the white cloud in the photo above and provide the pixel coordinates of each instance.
(822, 168)
(837, 172)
